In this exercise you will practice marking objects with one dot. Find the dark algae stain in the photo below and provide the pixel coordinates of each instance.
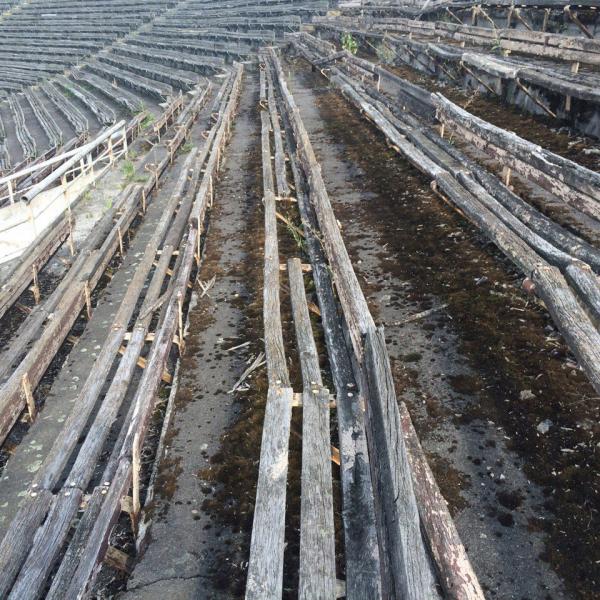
(524, 372)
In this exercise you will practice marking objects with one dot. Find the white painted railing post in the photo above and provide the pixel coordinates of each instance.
(65, 190)
(90, 162)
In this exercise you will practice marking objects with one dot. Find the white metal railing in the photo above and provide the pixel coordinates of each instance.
(30, 210)
(77, 162)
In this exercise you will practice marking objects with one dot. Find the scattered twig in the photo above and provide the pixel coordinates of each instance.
(237, 347)
(258, 362)
(206, 286)
(418, 316)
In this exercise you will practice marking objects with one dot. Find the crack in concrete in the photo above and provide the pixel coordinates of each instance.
(163, 579)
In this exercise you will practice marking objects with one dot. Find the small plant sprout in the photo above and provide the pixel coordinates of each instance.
(128, 170)
(349, 43)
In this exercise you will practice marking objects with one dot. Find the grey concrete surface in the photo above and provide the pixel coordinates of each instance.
(185, 546)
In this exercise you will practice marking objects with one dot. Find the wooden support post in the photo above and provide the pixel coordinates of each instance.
(517, 14)
(180, 322)
(546, 17)
(26, 385)
(446, 71)
(483, 83)
(36, 287)
(454, 16)
(88, 299)
(506, 172)
(135, 482)
(141, 363)
(11, 196)
(71, 241)
(90, 161)
(573, 16)
(120, 241)
(198, 254)
(119, 560)
(486, 16)
(65, 191)
(153, 170)
(335, 455)
(535, 100)
(24, 309)
(574, 70)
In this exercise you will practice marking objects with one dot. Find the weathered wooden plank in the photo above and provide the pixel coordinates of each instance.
(265, 565)
(317, 548)
(68, 305)
(26, 521)
(93, 546)
(544, 248)
(283, 189)
(508, 242)
(50, 471)
(163, 340)
(309, 357)
(567, 180)
(32, 579)
(356, 309)
(558, 236)
(454, 568)
(81, 472)
(84, 465)
(410, 568)
(580, 333)
(587, 284)
(551, 241)
(263, 85)
(361, 551)
(274, 349)
(512, 245)
(35, 257)
(97, 541)
(575, 326)
(536, 43)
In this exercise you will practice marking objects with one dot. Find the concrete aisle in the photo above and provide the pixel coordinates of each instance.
(185, 549)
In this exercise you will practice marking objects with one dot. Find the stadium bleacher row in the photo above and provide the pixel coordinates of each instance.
(69, 68)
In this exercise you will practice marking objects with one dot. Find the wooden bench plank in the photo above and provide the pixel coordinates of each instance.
(274, 349)
(317, 538)
(309, 358)
(265, 566)
(411, 569)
